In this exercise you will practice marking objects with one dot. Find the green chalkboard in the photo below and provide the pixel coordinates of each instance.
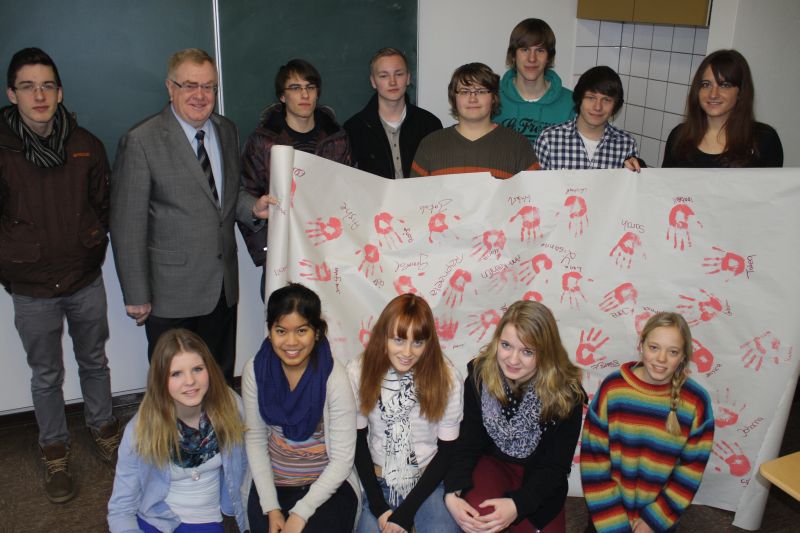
(337, 36)
(111, 54)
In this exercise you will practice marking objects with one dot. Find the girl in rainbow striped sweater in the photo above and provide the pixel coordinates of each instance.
(647, 436)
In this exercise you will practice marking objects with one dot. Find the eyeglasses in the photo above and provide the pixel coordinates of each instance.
(297, 89)
(191, 86)
(28, 87)
(464, 93)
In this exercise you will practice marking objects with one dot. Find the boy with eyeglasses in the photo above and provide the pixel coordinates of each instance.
(53, 225)
(531, 95)
(294, 121)
(475, 144)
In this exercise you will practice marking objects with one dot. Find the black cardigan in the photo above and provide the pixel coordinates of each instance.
(546, 471)
(370, 145)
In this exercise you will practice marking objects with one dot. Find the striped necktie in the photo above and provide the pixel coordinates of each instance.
(205, 164)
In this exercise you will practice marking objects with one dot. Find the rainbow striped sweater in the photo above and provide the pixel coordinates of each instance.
(631, 466)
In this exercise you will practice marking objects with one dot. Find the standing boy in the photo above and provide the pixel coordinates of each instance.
(475, 144)
(589, 140)
(386, 133)
(531, 95)
(53, 225)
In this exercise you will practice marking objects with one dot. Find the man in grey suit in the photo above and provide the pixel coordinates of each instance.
(175, 194)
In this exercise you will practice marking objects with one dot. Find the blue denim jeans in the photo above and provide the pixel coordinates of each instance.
(432, 516)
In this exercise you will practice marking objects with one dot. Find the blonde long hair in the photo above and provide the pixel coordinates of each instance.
(672, 320)
(557, 381)
(157, 438)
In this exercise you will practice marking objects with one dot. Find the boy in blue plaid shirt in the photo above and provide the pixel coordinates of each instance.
(589, 141)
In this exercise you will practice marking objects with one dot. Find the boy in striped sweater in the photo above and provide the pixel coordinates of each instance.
(647, 436)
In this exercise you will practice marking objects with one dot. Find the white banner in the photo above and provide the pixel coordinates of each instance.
(603, 249)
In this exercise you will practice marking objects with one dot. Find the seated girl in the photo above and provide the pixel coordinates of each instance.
(181, 461)
(301, 421)
(523, 403)
(720, 129)
(409, 398)
(647, 436)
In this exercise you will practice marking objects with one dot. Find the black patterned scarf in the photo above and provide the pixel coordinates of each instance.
(517, 430)
(196, 445)
(44, 153)
(400, 468)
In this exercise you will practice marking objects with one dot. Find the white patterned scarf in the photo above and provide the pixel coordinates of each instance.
(516, 436)
(400, 468)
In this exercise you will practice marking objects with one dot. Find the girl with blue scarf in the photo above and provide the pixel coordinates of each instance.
(301, 420)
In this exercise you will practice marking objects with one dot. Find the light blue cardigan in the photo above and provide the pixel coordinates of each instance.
(140, 488)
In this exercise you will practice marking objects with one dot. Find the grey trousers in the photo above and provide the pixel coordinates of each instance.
(40, 323)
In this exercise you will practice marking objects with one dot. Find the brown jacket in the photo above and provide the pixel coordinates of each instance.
(53, 221)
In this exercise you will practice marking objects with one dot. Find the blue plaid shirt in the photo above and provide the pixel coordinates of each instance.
(561, 147)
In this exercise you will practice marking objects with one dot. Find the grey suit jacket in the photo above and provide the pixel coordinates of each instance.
(173, 247)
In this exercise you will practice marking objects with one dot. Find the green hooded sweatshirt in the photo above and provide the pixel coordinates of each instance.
(530, 118)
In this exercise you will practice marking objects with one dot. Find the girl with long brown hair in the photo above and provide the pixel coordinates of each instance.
(648, 435)
(409, 409)
(523, 403)
(181, 462)
(720, 129)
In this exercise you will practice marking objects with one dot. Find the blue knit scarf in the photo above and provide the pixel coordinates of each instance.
(297, 411)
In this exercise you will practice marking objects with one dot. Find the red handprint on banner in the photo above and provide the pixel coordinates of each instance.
(578, 214)
(764, 347)
(321, 231)
(586, 354)
(529, 269)
(454, 292)
(490, 242)
(387, 235)
(446, 329)
(695, 311)
(481, 323)
(679, 226)
(614, 299)
(437, 224)
(404, 285)
(315, 272)
(725, 262)
(529, 216)
(640, 320)
(532, 295)
(623, 251)
(570, 285)
(726, 412)
(370, 260)
(737, 461)
(501, 278)
(294, 187)
(701, 356)
(364, 332)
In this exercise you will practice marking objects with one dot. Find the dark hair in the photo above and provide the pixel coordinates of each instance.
(601, 80)
(740, 143)
(474, 74)
(29, 56)
(387, 52)
(300, 68)
(531, 32)
(297, 298)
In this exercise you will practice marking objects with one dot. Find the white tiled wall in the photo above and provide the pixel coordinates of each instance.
(655, 63)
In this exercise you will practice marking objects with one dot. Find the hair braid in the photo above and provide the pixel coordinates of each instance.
(678, 378)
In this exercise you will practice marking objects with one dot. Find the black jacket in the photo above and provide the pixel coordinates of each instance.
(370, 145)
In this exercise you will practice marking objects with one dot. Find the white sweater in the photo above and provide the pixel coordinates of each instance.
(339, 420)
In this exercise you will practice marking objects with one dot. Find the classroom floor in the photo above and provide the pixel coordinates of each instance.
(24, 508)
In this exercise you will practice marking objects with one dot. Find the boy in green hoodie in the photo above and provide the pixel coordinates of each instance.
(531, 95)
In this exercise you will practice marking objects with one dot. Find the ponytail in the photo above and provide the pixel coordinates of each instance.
(678, 379)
